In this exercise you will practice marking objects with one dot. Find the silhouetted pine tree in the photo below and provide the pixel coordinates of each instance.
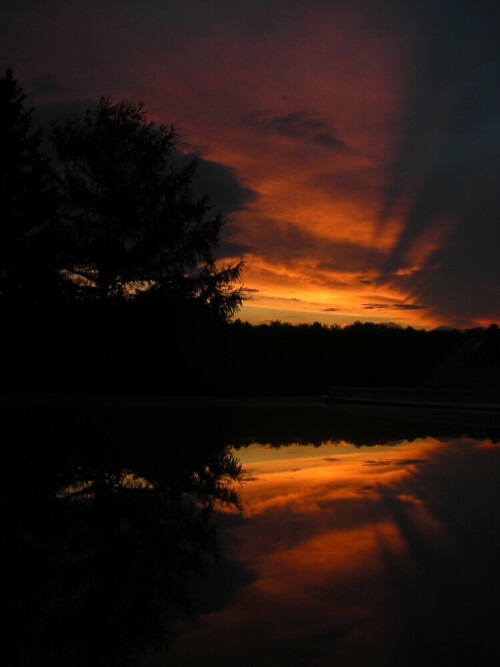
(137, 228)
(28, 252)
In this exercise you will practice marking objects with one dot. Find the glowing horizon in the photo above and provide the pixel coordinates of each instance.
(350, 148)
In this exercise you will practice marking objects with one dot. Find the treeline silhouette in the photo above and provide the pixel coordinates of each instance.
(309, 358)
(108, 281)
(132, 354)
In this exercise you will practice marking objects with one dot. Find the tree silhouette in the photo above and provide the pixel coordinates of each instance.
(28, 260)
(135, 226)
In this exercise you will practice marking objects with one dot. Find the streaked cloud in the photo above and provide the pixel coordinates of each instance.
(443, 178)
(304, 126)
(392, 306)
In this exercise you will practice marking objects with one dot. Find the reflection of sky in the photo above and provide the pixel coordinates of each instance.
(381, 555)
(267, 453)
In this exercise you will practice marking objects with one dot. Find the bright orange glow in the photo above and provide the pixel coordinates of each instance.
(314, 147)
(334, 472)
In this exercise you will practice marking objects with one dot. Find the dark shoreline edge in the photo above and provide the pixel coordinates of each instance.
(443, 398)
(154, 401)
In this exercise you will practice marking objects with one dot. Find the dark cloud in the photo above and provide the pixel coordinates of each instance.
(330, 310)
(303, 126)
(330, 141)
(295, 124)
(393, 462)
(392, 306)
(448, 162)
(46, 84)
(220, 182)
(228, 248)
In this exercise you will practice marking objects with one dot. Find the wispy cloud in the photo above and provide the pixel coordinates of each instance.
(304, 126)
(392, 306)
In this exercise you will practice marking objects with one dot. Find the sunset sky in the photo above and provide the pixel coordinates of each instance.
(353, 146)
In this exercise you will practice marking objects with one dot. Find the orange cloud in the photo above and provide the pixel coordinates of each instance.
(306, 107)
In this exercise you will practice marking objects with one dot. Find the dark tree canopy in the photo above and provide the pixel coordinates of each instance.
(108, 272)
(134, 222)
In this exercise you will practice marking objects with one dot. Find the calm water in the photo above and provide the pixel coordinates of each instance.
(366, 537)
(355, 555)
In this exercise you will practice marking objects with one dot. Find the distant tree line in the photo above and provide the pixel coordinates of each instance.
(307, 359)
(108, 281)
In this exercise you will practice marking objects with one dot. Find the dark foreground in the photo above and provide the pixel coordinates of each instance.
(123, 532)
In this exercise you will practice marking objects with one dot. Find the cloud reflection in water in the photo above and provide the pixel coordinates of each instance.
(368, 556)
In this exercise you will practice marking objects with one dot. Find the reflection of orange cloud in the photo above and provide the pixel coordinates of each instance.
(350, 551)
(308, 484)
(319, 533)
(348, 494)
(487, 444)
(332, 554)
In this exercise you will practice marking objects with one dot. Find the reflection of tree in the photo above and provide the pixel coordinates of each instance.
(314, 424)
(99, 548)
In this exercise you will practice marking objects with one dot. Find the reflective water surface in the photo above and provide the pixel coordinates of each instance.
(358, 555)
(249, 535)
